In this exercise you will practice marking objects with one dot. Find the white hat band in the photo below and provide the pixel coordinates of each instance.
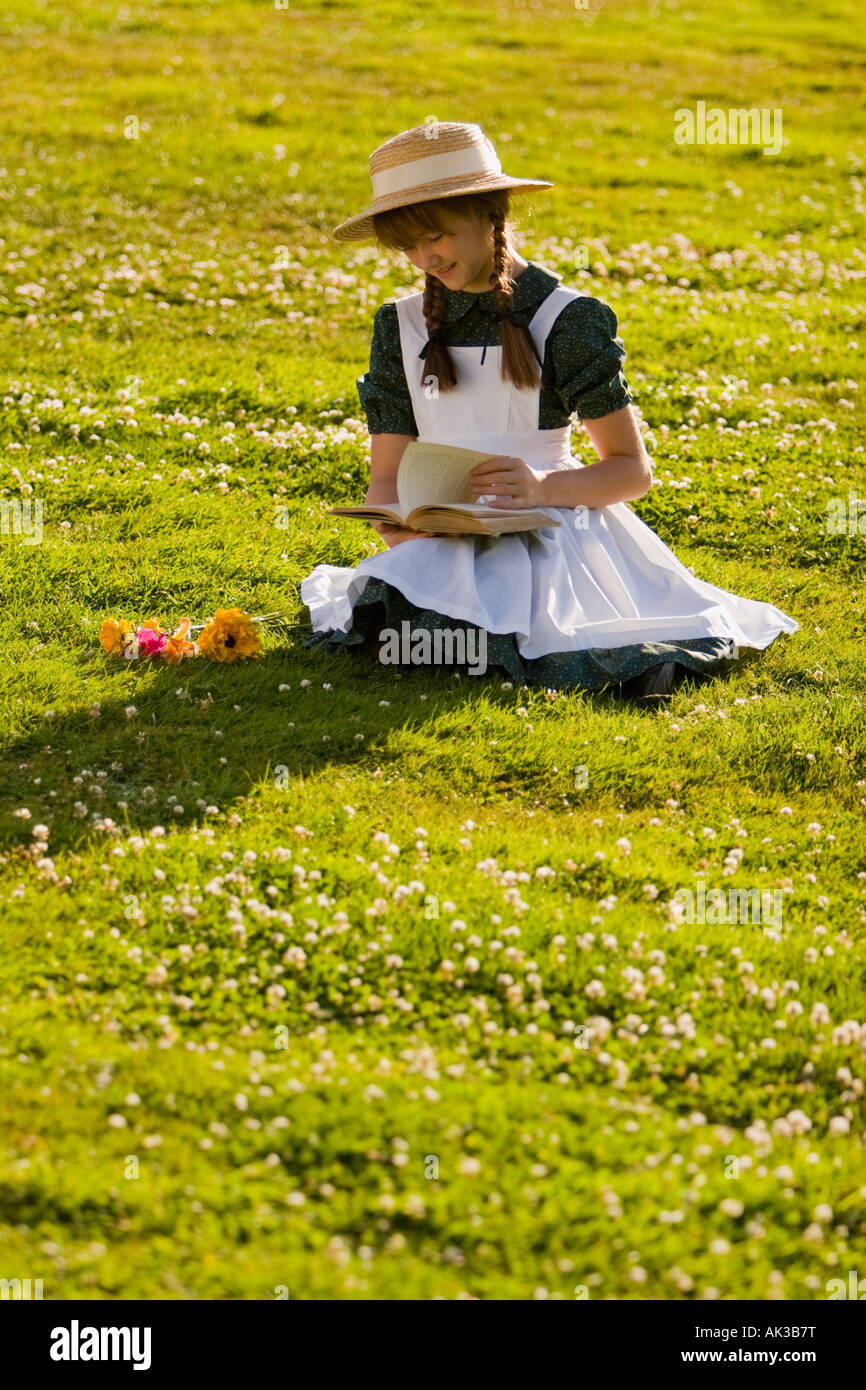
(415, 172)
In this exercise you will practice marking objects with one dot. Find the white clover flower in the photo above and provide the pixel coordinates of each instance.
(847, 1033)
(730, 1206)
(799, 1122)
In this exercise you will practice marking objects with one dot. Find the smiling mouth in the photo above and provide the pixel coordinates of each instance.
(447, 270)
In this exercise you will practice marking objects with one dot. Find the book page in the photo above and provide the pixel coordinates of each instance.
(480, 509)
(469, 516)
(452, 519)
(373, 511)
(431, 473)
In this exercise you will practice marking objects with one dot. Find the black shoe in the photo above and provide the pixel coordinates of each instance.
(655, 684)
(377, 617)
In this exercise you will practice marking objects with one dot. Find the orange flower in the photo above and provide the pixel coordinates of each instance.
(178, 645)
(112, 635)
(230, 635)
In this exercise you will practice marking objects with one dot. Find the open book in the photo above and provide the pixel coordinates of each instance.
(434, 493)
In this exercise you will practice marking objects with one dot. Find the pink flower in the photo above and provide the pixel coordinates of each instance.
(150, 642)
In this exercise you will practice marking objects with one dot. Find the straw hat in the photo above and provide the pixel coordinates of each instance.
(440, 159)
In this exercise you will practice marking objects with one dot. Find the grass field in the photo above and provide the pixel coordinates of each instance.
(321, 981)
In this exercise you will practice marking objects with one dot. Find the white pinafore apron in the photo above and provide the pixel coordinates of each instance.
(601, 578)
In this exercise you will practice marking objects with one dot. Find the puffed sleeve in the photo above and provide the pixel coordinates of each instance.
(587, 360)
(383, 389)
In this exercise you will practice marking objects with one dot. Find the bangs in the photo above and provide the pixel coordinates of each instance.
(402, 226)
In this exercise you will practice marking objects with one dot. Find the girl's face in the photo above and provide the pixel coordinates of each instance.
(460, 255)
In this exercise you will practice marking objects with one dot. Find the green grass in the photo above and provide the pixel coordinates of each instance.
(286, 1002)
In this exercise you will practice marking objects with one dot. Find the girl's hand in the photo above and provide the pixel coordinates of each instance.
(396, 535)
(513, 482)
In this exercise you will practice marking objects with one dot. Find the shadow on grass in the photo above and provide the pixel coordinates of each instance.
(181, 745)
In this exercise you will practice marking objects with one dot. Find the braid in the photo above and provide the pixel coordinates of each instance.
(519, 362)
(438, 363)
(501, 280)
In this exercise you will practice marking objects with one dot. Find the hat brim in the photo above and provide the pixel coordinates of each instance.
(361, 228)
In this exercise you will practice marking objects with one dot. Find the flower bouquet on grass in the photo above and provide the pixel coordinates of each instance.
(229, 636)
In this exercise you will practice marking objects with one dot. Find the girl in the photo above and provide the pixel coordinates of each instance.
(496, 355)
